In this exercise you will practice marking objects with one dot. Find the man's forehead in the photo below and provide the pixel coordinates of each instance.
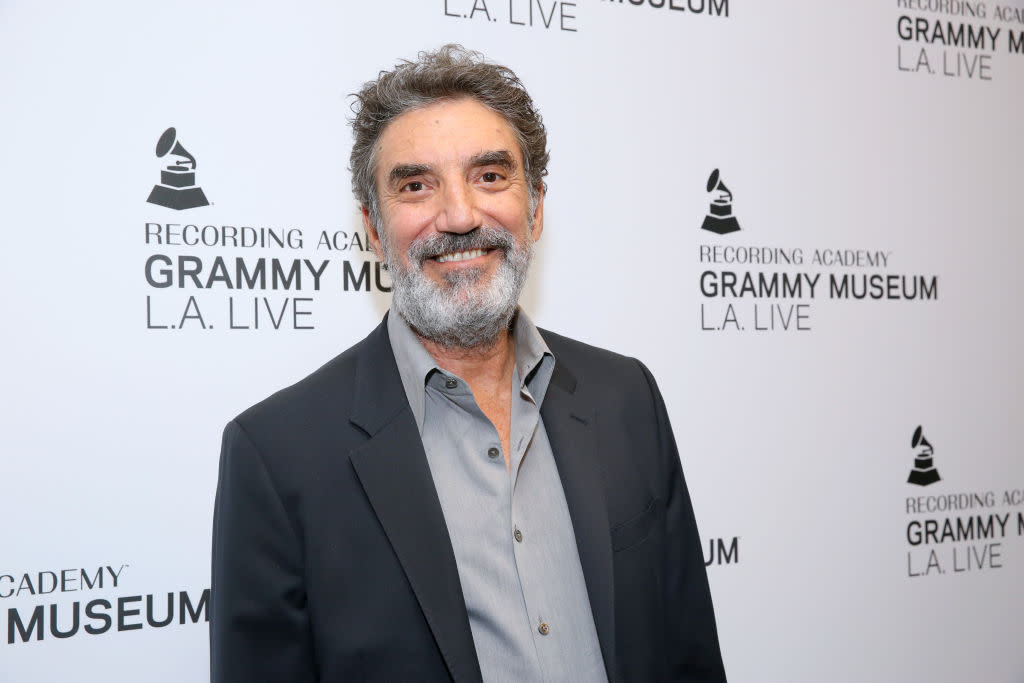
(461, 131)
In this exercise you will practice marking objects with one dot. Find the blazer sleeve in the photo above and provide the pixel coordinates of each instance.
(691, 635)
(259, 622)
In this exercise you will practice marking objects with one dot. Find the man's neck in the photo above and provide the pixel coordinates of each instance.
(487, 368)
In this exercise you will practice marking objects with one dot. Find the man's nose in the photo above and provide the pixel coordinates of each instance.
(458, 212)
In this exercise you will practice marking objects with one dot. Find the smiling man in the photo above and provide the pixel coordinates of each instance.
(460, 496)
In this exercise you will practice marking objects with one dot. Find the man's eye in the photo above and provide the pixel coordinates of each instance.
(414, 186)
(490, 177)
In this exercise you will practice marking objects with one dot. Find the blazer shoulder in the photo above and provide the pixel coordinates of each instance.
(323, 396)
(594, 365)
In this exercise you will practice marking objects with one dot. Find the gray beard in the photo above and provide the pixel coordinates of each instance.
(463, 312)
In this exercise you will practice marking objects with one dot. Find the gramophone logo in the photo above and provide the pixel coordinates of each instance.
(177, 189)
(719, 219)
(924, 472)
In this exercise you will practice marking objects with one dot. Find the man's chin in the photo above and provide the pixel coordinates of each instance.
(468, 284)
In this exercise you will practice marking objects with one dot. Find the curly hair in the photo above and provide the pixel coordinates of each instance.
(450, 72)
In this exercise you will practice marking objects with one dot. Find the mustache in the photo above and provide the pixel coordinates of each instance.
(484, 237)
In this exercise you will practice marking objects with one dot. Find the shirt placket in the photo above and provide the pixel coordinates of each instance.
(524, 419)
(491, 466)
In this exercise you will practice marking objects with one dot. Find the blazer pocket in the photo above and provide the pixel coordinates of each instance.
(634, 530)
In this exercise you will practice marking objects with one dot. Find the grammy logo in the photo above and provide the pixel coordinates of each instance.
(720, 219)
(177, 189)
(924, 471)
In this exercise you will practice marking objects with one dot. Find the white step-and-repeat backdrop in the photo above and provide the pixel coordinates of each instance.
(805, 217)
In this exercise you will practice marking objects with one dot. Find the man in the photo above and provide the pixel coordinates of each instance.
(460, 496)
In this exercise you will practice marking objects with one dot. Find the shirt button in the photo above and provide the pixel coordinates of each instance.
(518, 536)
(543, 629)
(451, 383)
(493, 452)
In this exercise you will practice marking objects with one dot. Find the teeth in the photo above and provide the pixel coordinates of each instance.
(460, 255)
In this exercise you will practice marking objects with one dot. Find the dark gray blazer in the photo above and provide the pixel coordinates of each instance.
(332, 562)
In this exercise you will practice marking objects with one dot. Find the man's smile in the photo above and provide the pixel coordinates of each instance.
(465, 255)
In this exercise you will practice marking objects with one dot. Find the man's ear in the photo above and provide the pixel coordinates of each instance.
(371, 233)
(538, 215)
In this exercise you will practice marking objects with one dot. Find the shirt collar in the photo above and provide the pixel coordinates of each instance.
(534, 361)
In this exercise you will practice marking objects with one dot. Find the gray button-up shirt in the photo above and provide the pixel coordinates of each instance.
(511, 532)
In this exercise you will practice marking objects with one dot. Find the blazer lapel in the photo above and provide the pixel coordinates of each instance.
(392, 468)
(570, 429)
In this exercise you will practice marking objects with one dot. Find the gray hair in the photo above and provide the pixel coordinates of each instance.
(450, 72)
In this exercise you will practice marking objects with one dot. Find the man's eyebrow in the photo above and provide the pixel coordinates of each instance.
(403, 171)
(499, 157)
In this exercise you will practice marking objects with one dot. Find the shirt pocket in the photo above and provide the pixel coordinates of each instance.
(634, 530)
